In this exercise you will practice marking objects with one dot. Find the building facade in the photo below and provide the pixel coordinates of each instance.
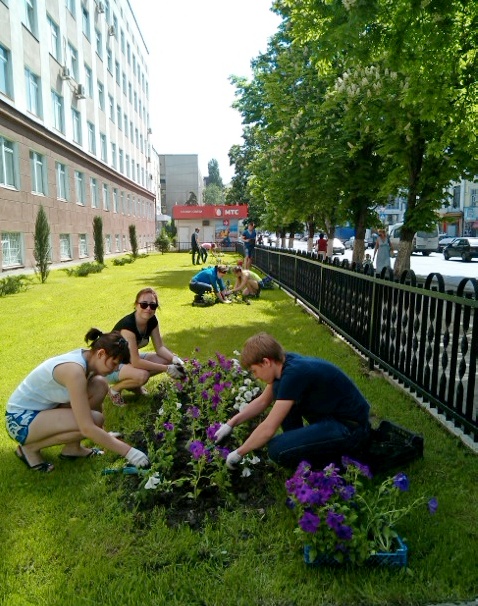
(74, 127)
(181, 180)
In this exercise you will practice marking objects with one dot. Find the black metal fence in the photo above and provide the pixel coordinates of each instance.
(422, 334)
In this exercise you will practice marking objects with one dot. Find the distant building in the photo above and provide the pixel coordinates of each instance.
(74, 127)
(181, 180)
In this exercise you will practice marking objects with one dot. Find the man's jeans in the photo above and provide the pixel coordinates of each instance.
(320, 443)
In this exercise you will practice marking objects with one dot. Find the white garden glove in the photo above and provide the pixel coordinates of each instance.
(176, 371)
(223, 431)
(177, 360)
(137, 458)
(233, 458)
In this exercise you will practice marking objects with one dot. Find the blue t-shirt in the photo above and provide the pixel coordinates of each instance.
(209, 276)
(249, 238)
(320, 389)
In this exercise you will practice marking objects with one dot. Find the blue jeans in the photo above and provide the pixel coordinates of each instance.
(199, 288)
(319, 443)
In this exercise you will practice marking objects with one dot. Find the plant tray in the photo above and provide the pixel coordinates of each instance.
(397, 558)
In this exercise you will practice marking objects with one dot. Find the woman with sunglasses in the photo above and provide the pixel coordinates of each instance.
(137, 328)
(60, 402)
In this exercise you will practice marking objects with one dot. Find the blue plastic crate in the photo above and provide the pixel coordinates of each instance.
(397, 558)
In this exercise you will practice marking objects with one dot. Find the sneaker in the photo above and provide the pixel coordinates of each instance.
(116, 398)
(199, 304)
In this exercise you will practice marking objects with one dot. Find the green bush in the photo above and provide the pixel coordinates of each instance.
(11, 285)
(163, 242)
(123, 260)
(85, 269)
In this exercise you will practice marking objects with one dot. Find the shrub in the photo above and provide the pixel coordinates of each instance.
(41, 250)
(123, 260)
(85, 269)
(12, 285)
(99, 250)
(162, 242)
(133, 240)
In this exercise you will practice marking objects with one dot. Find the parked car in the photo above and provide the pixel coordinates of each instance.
(349, 244)
(443, 242)
(466, 248)
(338, 247)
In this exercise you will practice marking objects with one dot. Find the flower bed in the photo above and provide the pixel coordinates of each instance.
(188, 473)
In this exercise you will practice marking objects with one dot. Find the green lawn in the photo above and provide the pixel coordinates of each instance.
(67, 537)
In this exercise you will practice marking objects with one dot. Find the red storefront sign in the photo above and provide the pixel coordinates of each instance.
(210, 212)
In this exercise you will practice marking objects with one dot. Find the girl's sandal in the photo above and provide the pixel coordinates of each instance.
(44, 466)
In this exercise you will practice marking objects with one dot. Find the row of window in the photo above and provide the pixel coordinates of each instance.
(13, 254)
(111, 197)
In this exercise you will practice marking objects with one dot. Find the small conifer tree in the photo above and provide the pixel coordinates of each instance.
(133, 240)
(41, 250)
(99, 251)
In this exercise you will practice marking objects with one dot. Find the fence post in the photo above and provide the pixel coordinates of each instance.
(371, 323)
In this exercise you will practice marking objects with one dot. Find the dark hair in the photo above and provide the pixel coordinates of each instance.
(113, 343)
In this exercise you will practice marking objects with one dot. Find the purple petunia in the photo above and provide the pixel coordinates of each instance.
(223, 452)
(211, 430)
(309, 522)
(432, 505)
(401, 482)
(194, 412)
(198, 450)
(168, 426)
(364, 469)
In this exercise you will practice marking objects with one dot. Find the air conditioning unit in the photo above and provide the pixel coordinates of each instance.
(100, 7)
(80, 92)
(111, 30)
(149, 131)
(65, 73)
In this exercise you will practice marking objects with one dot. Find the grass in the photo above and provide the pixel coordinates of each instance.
(67, 537)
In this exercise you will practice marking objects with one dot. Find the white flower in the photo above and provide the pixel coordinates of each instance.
(248, 396)
(246, 472)
(236, 353)
(242, 388)
(254, 460)
(256, 390)
(153, 481)
(247, 381)
(161, 411)
(178, 405)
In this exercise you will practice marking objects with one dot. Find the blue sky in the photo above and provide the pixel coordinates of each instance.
(194, 47)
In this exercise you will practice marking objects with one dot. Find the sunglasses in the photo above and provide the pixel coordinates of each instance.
(145, 305)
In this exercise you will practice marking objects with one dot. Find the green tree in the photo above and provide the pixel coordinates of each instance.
(213, 194)
(163, 242)
(192, 199)
(214, 177)
(41, 250)
(133, 240)
(99, 246)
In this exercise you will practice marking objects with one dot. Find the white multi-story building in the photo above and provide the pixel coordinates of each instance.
(74, 127)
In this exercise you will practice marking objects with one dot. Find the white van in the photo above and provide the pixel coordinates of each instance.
(425, 242)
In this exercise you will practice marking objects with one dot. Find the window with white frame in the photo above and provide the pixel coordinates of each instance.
(107, 11)
(88, 81)
(127, 165)
(121, 160)
(122, 39)
(61, 181)
(128, 204)
(103, 148)
(122, 203)
(117, 243)
(130, 92)
(33, 93)
(474, 197)
(76, 120)
(128, 53)
(55, 49)
(123, 83)
(108, 244)
(5, 71)
(30, 15)
(94, 192)
(80, 187)
(111, 105)
(58, 111)
(99, 43)
(85, 17)
(119, 116)
(131, 131)
(115, 200)
(125, 122)
(132, 168)
(70, 5)
(118, 73)
(101, 95)
(65, 247)
(82, 246)
(113, 155)
(124, 242)
(38, 172)
(109, 59)
(91, 138)
(106, 197)
(8, 167)
(12, 249)
(73, 61)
